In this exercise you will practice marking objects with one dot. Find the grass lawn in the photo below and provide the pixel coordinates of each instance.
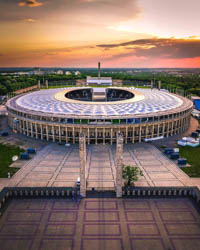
(193, 158)
(6, 154)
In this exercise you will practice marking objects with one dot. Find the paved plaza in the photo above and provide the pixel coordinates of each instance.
(102, 224)
(157, 168)
(59, 166)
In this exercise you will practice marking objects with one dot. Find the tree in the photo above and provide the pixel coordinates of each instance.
(3, 90)
(130, 174)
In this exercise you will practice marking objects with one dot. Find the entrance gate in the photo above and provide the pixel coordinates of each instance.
(97, 178)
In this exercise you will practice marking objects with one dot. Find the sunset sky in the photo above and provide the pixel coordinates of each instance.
(119, 33)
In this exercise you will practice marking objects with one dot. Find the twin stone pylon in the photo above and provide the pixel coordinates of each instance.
(119, 165)
(82, 154)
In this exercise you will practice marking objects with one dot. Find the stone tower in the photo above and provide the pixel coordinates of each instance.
(82, 153)
(39, 84)
(99, 70)
(119, 165)
(47, 84)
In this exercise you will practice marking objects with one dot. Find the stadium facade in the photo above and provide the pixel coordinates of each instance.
(63, 114)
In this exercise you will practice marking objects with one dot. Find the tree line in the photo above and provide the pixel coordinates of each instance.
(189, 82)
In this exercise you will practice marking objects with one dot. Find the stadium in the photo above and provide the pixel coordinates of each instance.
(61, 115)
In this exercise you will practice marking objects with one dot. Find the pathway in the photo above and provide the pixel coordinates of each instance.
(56, 166)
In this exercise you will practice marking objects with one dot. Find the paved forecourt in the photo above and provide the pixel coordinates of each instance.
(157, 168)
(59, 166)
(104, 224)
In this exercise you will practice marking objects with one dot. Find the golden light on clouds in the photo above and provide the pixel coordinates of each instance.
(30, 3)
(30, 20)
(120, 33)
(119, 28)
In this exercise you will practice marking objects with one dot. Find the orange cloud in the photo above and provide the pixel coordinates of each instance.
(157, 47)
(30, 3)
(150, 52)
(30, 20)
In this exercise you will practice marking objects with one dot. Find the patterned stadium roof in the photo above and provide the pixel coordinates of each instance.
(44, 101)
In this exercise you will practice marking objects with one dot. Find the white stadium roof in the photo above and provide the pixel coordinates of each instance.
(44, 101)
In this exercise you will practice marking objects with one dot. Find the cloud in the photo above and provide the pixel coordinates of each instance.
(30, 3)
(30, 20)
(158, 47)
(74, 14)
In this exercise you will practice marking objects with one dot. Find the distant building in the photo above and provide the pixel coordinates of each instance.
(99, 81)
(68, 73)
(15, 74)
(59, 72)
(38, 72)
(22, 73)
(106, 81)
(77, 73)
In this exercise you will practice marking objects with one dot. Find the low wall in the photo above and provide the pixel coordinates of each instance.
(9, 193)
(41, 192)
(161, 192)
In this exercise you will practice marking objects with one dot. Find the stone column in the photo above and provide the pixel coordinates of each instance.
(158, 132)
(111, 136)
(168, 129)
(174, 127)
(119, 164)
(53, 133)
(152, 132)
(27, 132)
(126, 138)
(133, 136)
(177, 126)
(59, 131)
(47, 84)
(66, 135)
(172, 131)
(82, 154)
(20, 126)
(39, 84)
(96, 136)
(151, 84)
(163, 129)
(140, 133)
(36, 131)
(31, 129)
(47, 133)
(88, 136)
(41, 131)
(146, 131)
(104, 136)
(182, 123)
(73, 135)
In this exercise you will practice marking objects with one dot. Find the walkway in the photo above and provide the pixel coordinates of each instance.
(56, 165)
(101, 168)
